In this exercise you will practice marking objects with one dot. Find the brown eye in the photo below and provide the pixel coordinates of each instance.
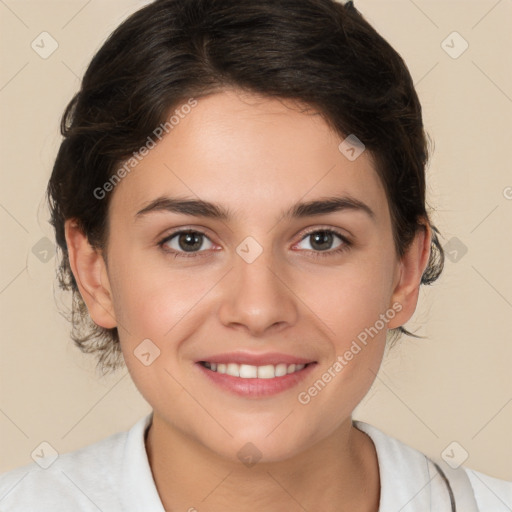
(186, 242)
(322, 240)
(321, 243)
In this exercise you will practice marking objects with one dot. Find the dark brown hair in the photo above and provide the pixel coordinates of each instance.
(319, 53)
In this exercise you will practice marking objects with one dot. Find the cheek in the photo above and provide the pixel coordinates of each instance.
(159, 305)
(354, 302)
(351, 298)
(357, 315)
(151, 297)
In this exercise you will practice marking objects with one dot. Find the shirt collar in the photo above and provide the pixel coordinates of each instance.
(406, 481)
(139, 489)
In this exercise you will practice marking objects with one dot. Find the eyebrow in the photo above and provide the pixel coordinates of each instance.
(200, 208)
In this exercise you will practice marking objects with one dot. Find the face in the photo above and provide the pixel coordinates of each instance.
(264, 289)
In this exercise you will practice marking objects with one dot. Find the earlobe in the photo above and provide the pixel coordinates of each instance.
(412, 266)
(90, 272)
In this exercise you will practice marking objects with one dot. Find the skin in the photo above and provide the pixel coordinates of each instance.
(256, 157)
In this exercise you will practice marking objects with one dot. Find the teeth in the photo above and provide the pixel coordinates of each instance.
(233, 369)
(247, 371)
(281, 369)
(266, 372)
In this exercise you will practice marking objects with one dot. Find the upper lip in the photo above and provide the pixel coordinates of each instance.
(273, 358)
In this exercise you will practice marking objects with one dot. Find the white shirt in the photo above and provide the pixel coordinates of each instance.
(113, 475)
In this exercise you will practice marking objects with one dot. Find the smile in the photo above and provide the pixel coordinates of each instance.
(247, 371)
(269, 375)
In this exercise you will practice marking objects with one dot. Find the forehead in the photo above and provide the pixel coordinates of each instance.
(253, 154)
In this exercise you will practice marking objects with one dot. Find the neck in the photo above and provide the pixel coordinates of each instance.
(338, 473)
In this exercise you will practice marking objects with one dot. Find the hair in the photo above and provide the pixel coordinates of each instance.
(319, 53)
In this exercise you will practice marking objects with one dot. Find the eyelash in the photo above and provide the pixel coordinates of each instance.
(345, 246)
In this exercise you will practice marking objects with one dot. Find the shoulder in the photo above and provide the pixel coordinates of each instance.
(72, 479)
(89, 479)
(491, 493)
(411, 480)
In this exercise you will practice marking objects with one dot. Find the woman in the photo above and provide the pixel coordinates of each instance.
(240, 204)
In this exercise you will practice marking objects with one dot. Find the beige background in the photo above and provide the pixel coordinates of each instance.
(453, 386)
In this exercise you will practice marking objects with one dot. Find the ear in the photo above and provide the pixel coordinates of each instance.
(90, 271)
(411, 268)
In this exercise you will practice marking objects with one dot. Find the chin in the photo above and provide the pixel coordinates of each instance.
(252, 446)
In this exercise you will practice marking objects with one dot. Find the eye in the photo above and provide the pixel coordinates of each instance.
(190, 243)
(321, 241)
(185, 241)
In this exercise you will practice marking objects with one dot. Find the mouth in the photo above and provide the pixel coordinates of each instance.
(248, 371)
(252, 376)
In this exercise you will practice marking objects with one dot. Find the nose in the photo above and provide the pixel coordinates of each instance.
(256, 296)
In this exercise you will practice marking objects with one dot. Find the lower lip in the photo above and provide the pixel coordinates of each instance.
(256, 388)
